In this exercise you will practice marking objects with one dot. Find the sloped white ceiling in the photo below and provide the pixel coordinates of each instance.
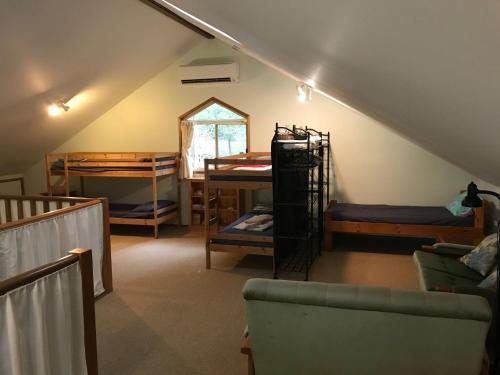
(97, 51)
(429, 69)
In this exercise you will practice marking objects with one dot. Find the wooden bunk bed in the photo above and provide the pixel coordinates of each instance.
(436, 222)
(250, 171)
(38, 228)
(150, 165)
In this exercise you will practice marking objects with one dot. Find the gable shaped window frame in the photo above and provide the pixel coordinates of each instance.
(245, 119)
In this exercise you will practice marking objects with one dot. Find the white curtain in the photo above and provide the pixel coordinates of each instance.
(187, 130)
(41, 326)
(33, 245)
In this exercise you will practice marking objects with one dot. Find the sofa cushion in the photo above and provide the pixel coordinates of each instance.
(490, 281)
(446, 265)
(432, 280)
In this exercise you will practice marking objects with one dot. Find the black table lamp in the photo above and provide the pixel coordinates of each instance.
(472, 200)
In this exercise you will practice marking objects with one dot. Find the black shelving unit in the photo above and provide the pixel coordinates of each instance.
(299, 182)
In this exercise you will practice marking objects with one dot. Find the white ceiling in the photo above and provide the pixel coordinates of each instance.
(429, 69)
(98, 50)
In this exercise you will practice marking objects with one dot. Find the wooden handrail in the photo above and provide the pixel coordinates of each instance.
(28, 277)
(46, 198)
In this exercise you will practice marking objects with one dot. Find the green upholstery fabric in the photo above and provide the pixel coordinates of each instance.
(440, 270)
(452, 249)
(445, 264)
(431, 280)
(317, 328)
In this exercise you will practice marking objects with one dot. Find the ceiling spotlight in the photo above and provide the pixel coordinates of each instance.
(55, 109)
(304, 92)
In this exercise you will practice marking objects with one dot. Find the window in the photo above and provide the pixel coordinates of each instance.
(219, 130)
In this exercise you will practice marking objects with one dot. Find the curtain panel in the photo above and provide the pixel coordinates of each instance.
(187, 131)
(35, 244)
(41, 326)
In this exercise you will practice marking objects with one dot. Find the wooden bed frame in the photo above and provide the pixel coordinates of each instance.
(118, 159)
(468, 234)
(84, 257)
(225, 167)
(56, 206)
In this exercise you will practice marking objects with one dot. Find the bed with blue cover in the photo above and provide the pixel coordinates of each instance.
(419, 221)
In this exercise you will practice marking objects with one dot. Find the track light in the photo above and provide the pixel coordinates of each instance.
(304, 92)
(55, 109)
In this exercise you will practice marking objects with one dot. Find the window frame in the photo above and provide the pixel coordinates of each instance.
(207, 103)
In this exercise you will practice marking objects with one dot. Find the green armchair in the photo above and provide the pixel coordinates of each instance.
(317, 328)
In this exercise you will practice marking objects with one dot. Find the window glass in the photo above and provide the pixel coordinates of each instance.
(232, 139)
(215, 112)
(218, 132)
(203, 145)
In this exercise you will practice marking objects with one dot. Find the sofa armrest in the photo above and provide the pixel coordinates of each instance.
(343, 296)
(448, 249)
(453, 246)
(489, 294)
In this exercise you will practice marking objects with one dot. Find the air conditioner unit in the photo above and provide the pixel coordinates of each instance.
(229, 72)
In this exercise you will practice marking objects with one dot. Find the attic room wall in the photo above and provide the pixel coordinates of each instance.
(372, 163)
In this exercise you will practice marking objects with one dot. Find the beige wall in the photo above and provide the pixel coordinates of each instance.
(11, 187)
(372, 163)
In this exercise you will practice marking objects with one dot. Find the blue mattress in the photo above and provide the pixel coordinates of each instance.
(242, 178)
(132, 211)
(380, 213)
(229, 229)
(59, 166)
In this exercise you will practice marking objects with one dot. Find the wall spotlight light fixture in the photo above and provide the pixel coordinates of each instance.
(304, 92)
(55, 109)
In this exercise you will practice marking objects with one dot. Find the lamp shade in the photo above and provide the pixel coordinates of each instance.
(472, 199)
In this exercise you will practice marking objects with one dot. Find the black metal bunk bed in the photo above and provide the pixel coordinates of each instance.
(299, 157)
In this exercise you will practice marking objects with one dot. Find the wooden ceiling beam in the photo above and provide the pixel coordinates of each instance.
(174, 16)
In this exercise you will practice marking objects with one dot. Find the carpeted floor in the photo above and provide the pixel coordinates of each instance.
(168, 315)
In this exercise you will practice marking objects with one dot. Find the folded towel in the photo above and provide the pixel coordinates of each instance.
(254, 227)
(261, 227)
(259, 219)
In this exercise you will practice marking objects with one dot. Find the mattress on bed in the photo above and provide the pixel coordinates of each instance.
(380, 213)
(59, 166)
(231, 230)
(242, 178)
(131, 211)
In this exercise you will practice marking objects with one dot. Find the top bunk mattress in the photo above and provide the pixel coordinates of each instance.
(251, 177)
(381, 213)
(58, 165)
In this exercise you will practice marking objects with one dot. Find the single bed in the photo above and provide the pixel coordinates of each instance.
(399, 220)
(230, 239)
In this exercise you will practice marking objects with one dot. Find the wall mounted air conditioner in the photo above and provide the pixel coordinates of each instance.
(229, 72)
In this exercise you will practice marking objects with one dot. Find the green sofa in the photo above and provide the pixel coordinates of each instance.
(439, 269)
(318, 328)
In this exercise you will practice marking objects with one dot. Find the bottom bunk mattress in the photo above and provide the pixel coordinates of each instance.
(140, 211)
(230, 229)
(415, 215)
